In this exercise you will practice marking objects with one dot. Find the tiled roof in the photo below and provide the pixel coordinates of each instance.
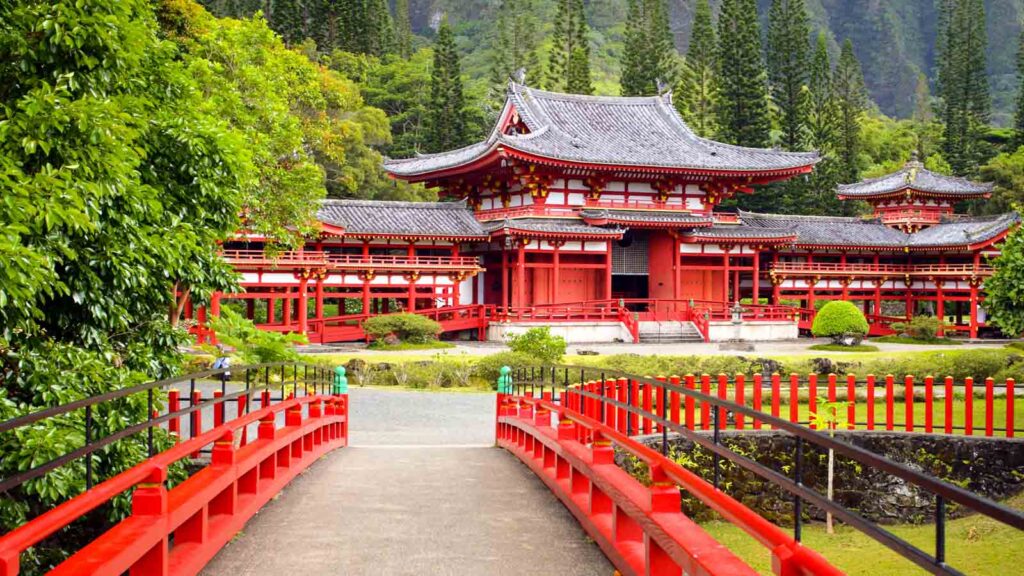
(373, 217)
(741, 232)
(550, 226)
(915, 176)
(837, 231)
(656, 217)
(607, 130)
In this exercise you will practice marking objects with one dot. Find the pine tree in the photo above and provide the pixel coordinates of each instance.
(322, 23)
(649, 54)
(514, 46)
(851, 104)
(697, 95)
(569, 71)
(446, 126)
(288, 20)
(403, 29)
(352, 25)
(923, 115)
(743, 98)
(380, 30)
(788, 63)
(822, 120)
(1018, 124)
(963, 82)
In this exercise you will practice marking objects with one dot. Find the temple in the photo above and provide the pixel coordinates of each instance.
(600, 217)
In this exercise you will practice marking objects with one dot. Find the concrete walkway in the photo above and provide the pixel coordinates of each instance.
(421, 491)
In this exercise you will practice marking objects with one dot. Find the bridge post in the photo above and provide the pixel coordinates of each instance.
(150, 499)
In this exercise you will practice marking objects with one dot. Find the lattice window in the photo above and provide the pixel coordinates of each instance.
(632, 258)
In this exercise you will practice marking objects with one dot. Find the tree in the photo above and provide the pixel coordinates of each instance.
(649, 55)
(1004, 300)
(822, 130)
(963, 82)
(1006, 171)
(851, 104)
(403, 29)
(514, 46)
(446, 127)
(830, 415)
(289, 21)
(569, 68)
(743, 96)
(380, 31)
(697, 95)
(788, 68)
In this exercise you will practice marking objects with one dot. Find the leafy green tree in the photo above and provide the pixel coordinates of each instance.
(380, 32)
(446, 127)
(289, 20)
(569, 57)
(851, 102)
(830, 415)
(822, 130)
(539, 344)
(1004, 300)
(649, 54)
(1018, 118)
(697, 95)
(515, 46)
(1006, 171)
(788, 69)
(963, 82)
(743, 97)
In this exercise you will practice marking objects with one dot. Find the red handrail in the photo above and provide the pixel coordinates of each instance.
(310, 258)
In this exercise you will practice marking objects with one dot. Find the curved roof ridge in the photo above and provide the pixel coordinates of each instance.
(403, 203)
(808, 217)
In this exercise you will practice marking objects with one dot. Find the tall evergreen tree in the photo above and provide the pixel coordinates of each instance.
(322, 24)
(403, 29)
(788, 63)
(851, 104)
(822, 125)
(288, 20)
(515, 45)
(446, 126)
(567, 70)
(1018, 119)
(963, 82)
(743, 97)
(697, 94)
(380, 30)
(649, 54)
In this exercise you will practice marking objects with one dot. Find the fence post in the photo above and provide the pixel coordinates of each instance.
(812, 397)
(794, 398)
(929, 402)
(890, 391)
(851, 399)
(740, 383)
(648, 405)
(1010, 382)
(908, 402)
(758, 380)
(150, 499)
(173, 405)
(969, 406)
(990, 394)
(690, 383)
(871, 402)
(947, 423)
(776, 393)
(705, 408)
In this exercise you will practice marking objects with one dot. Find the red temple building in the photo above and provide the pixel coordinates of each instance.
(597, 215)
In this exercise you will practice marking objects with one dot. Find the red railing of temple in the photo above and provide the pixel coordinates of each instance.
(636, 205)
(349, 327)
(526, 211)
(178, 531)
(913, 216)
(355, 261)
(854, 269)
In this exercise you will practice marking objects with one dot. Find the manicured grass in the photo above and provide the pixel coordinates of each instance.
(841, 348)
(975, 545)
(908, 340)
(434, 345)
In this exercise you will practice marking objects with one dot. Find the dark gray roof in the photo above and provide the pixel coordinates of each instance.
(550, 226)
(609, 130)
(666, 217)
(742, 232)
(443, 219)
(915, 176)
(838, 231)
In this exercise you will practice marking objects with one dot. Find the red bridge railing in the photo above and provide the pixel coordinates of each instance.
(178, 530)
(641, 527)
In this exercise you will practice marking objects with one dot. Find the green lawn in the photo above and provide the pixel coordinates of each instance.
(975, 545)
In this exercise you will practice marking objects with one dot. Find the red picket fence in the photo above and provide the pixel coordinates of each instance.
(885, 403)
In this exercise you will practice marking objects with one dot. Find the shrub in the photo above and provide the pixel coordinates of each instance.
(920, 327)
(252, 345)
(488, 368)
(841, 321)
(539, 344)
(406, 327)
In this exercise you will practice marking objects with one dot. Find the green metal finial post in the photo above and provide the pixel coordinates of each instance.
(505, 381)
(340, 381)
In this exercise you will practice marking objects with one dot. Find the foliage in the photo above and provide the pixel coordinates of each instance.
(1004, 291)
(788, 69)
(963, 81)
(539, 344)
(488, 368)
(1006, 171)
(649, 55)
(252, 345)
(743, 97)
(697, 95)
(839, 319)
(920, 328)
(442, 372)
(429, 345)
(515, 46)
(446, 126)
(569, 57)
(844, 348)
(907, 340)
(822, 130)
(407, 327)
(851, 102)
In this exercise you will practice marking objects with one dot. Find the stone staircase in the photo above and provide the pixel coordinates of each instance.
(669, 332)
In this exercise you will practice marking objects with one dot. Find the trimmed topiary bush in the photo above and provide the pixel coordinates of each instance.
(841, 321)
(920, 328)
(406, 327)
(539, 344)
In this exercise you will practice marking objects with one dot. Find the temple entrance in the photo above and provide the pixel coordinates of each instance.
(629, 286)
(630, 265)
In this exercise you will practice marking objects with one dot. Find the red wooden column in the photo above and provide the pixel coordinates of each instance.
(675, 267)
(810, 293)
(725, 271)
(303, 304)
(940, 306)
(411, 278)
(608, 270)
(776, 280)
(215, 304)
(318, 307)
(974, 282)
(366, 277)
(456, 279)
(556, 275)
(878, 296)
(519, 284)
(286, 307)
(271, 309)
(757, 276)
(504, 279)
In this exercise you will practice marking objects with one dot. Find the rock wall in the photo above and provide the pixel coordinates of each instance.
(987, 466)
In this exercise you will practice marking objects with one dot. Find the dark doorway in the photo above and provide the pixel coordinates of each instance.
(629, 286)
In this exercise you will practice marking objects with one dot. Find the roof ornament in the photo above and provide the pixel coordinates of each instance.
(519, 76)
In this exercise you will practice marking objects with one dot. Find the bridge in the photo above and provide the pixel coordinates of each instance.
(278, 480)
